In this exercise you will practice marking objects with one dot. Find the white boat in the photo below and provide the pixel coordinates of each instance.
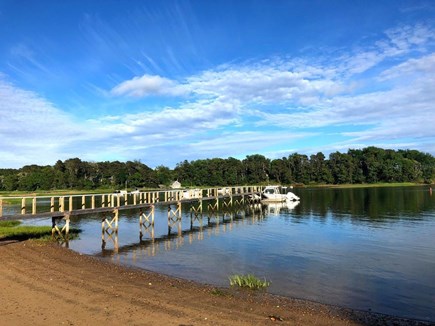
(192, 193)
(273, 194)
(224, 191)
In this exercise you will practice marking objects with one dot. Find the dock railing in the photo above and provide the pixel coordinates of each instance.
(76, 204)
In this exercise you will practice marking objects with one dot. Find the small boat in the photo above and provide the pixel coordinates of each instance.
(224, 191)
(192, 193)
(273, 194)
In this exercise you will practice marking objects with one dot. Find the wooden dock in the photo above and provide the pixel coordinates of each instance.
(62, 207)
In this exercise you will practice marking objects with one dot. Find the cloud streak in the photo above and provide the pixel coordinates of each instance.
(382, 94)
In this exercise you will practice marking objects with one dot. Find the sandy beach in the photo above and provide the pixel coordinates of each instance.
(45, 284)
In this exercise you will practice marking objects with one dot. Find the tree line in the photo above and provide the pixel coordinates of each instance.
(368, 165)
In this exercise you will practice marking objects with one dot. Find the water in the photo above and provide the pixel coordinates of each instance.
(370, 249)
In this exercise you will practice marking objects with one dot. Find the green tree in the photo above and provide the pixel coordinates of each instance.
(74, 171)
(320, 172)
(372, 163)
(233, 172)
(357, 156)
(341, 167)
(256, 169)
(10, 182)
(280, 171)
(164, 175)
(300, 168)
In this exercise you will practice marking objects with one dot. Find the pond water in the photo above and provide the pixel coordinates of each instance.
(366, 248)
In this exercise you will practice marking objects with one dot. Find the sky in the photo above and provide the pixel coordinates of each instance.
(166, 81)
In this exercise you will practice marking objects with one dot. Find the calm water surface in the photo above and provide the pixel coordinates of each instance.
(370, 249)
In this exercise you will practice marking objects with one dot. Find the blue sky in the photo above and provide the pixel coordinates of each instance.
(167, 81)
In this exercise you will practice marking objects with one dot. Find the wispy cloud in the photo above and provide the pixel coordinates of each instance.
(290, 93)
(385, 89)
(30, 125)
(25, 58)
(414, 67)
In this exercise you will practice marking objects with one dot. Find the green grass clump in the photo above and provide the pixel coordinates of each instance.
(13, 230)
(248, 281)
(9, 224)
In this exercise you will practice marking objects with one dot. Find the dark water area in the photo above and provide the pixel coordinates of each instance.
(366, 248)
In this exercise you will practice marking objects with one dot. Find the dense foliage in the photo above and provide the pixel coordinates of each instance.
(368, 165)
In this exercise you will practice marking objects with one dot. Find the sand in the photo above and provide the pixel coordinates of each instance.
(44, 284)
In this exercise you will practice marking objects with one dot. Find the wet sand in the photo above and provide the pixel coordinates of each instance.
(44, 284)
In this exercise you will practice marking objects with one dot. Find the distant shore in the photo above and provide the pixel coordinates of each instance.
(43, 283)
(369, 185)
(105, 190)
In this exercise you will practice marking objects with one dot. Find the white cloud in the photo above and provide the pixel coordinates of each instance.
(148, 85)
(423, 66)
(399, 42)
(281, 81)
(262, 85)
(405, 37)
(281, 101)
(31, 127)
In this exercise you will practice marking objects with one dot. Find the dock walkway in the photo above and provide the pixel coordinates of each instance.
(62, 207)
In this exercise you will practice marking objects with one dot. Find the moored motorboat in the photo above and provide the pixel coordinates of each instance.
(192, 193)
(273, 194)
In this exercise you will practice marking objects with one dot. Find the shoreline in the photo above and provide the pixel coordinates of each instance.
(44, 283)
(59, 192)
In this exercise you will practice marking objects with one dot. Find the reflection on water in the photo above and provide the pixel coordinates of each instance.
(211, 224)
(277, 208)
(368, 248)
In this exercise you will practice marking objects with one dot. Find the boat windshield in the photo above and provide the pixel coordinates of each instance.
(271, 190)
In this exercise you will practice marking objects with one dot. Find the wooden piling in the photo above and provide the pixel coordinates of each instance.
(116, 212)
(52, 204)
(146, 221)
(23, 205)
(173, 216)
(61, 204)
(63, 233)
(53, 226)
(103, 231)
(113, 229)
(67, 216)
(34, 206)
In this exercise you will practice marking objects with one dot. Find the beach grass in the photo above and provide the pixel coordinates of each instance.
(248, 281)
(13, 230)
